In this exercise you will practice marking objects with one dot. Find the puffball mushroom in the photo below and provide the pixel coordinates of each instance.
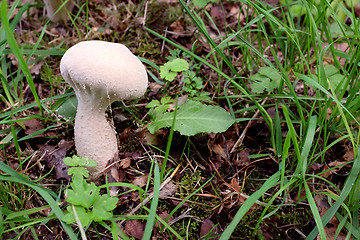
(100, 73)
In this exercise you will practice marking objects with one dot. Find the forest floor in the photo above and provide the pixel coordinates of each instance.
(224, 169)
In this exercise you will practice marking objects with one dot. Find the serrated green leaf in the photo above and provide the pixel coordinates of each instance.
(167, 74)
(87, 162)
(76, 161)
(335, 80)
(268, 78)
(194, 117)
(78, 171)
(333, 75)
(166, 100)
(271, 73)
(72, 161)
(170, 69)
(84, 216)
(102, 207)
(153, 103)
(257, 88)
(82, 193)
(330, 70)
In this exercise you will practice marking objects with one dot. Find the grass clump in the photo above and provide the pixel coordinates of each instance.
(283, 75)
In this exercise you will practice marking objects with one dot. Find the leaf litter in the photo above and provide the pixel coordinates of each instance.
(212, 147)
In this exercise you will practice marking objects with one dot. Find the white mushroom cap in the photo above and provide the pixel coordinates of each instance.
(109, 69)
(100, 73)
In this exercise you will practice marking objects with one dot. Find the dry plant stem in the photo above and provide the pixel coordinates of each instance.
(151, 195)
(243, 134)
(231, 187)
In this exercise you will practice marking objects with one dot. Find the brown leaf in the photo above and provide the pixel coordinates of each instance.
(316, 166)
(330, 228)
(219, 146)
(168, 190)
(208, 227)
(152, 139)
(217, 13)
(135, 228)
(32, 126)
(163, 216)
(242, 158)
(140, 180)
(235, 185)
(336, 163)
(35, 68)
(125, 163)
(54, 157)
(178, 26)
(349, 156)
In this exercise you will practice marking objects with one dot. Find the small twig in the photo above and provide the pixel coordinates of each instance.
(146, 200)
(243, 134)
(231, 187)
(184, 215)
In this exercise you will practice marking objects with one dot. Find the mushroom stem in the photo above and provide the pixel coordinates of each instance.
(53, 5)
(94, 135)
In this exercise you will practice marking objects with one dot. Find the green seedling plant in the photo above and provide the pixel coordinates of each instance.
(192, 116)
(86, 203)
(178, 65)
(267, 79)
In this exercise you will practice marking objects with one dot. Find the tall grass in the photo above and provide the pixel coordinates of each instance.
(304, 40)
(296, 38)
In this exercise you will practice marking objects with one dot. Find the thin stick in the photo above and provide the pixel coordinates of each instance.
(243, 134)
(146, 200)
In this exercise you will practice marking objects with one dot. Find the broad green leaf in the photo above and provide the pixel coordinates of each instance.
(82, 193)
(333, 75)
(67, 110)
(86, 162)
(79, 171)
(267, 79)
(170, 69)
(271, 73)
(102, 207)
(76, 161)
(84, 216)
(193, 117)
(153, 103)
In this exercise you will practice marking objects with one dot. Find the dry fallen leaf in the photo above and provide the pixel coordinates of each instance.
(168, 190)
(235, 185)
(163, 216)
(206, 227)
(140, 181)
(125, 163)
(54, 157)
(32, 126)
(135, 228)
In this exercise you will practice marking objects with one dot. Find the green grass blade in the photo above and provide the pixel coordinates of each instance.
(45, 193)
(154, 204)
(16, 51)
(269, 183)
(349, 184)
